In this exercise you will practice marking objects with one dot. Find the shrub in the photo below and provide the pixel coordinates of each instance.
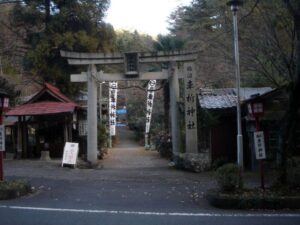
(14, 189)
(163, 145)
(228, 177)
(293, 172)
(219, 162)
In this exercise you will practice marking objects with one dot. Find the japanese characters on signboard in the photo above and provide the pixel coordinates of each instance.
(150, 100)
(70, 153)
(190, 108)
(113, 92)
(2, 138)
(190, 100)
(82, 127)
(259, 144)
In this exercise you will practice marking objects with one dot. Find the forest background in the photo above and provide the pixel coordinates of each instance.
(32, 33)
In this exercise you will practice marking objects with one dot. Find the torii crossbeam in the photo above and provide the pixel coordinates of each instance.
(132, 71)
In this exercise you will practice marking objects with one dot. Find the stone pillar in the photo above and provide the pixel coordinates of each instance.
(92, 116)
(190, 102)
(174, 96)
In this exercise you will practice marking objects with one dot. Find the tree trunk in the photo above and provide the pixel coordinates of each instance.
(47, 14)
(292, 118)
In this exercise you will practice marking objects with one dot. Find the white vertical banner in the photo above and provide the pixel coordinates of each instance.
(113, 93)
(190, 108)
(150, 100)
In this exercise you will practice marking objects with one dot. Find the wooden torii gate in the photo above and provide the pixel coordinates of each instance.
(131, 62)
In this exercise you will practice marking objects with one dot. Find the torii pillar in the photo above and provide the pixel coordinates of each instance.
(174, 98)
(92, 140)
(134, 59)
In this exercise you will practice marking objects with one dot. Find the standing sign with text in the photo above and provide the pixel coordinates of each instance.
(2, 138)
(113, 93)
(190, 108)
(150, 100)
(70, 153)
(259, 143)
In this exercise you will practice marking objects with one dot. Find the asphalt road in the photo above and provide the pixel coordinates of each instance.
(133, 187)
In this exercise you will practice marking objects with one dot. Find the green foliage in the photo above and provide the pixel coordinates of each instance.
(219, 162)
(71, 25)
(266, 36)
(14, 184)
(168, 43)
(127, 41)
(207, 119)
(293, 172)
(228, 177)
(102, 135)
(8, 88)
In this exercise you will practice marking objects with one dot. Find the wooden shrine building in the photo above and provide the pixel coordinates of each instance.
(45, 123)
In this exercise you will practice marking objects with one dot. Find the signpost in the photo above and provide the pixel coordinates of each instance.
(70, 154)
(256, 109)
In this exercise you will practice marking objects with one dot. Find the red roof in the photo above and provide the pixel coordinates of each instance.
(41, 108)
(52, 90)
(37, 106)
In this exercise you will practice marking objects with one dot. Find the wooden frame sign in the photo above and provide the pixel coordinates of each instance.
(70, 154)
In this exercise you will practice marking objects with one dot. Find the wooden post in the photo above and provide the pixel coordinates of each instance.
(24, 137)
(19, 138)
(1, 150)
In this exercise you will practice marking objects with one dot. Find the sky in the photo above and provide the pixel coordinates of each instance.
(145, 16)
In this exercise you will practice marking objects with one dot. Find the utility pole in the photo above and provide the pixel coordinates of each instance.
(234, 5)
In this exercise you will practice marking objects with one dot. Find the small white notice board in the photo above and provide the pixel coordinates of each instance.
(259, 144)
(2, 138)
(70, 154)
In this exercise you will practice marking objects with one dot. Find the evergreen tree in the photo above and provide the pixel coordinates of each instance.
(51, 26)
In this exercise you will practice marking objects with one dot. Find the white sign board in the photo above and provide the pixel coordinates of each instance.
(70, 153)
(259, 145)
(2, 138)
(150, 100)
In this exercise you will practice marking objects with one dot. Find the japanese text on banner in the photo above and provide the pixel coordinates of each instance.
(113, 92)
(150, 100)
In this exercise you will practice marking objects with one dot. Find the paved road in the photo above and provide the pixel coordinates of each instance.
(133, 187)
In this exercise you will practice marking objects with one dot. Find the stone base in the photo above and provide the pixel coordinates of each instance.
(45, 155)
(194, 162)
